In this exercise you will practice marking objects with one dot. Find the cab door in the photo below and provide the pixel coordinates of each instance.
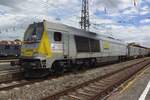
(60, 43)
(65, 45)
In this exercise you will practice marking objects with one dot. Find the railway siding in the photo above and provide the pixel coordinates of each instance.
(9, 75)
(8, 72)
(100, 85)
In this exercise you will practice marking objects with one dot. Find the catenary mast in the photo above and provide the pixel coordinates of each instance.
(85, 22)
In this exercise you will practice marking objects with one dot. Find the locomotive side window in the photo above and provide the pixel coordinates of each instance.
(57, 36)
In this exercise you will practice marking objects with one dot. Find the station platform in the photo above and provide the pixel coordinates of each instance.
(136, 88)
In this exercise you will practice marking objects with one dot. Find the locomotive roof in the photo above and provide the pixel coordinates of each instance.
(137, 45)
(79, 32)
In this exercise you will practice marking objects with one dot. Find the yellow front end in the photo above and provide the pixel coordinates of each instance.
(27, 52)
(42, 48)
(35, 51)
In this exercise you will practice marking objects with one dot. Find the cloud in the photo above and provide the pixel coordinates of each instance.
(129, 34)
(11, 3)
(108, 3)
(121, 18)
(145, 21)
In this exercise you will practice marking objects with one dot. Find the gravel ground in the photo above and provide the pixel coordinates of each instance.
(37, 91)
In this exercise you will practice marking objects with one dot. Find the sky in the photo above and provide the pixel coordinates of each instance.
(127, 20)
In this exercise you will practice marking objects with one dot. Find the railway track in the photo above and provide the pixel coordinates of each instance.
(8, 72)
(10, 75)
(7, 60)
(7, 57)
(99, 87)
(10, 85)
(6, 86)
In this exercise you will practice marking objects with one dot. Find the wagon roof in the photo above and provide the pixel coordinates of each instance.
(137, 45)
(5, 42)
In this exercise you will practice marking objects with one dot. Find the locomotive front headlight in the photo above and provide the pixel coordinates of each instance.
(35, 53)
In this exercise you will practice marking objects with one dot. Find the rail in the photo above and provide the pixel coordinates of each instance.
(99, 87)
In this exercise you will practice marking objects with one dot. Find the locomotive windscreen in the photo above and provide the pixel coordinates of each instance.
(34, 32)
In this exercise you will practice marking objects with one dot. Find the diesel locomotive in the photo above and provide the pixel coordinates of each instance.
(54, 48)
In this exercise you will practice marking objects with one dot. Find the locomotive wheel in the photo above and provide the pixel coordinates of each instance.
(57, 68)
(93, 63)
(75, 68)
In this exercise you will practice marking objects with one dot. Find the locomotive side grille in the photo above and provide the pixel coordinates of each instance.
(84, 44)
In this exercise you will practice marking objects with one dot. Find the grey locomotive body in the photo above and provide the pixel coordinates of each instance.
(79, 44)
(52, 47)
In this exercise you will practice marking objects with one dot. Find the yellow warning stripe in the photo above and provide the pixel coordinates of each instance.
(44, 47)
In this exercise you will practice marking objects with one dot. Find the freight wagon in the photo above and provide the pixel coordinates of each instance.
(10, 48)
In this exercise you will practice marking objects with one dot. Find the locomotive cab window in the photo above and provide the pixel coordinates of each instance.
(57, 36)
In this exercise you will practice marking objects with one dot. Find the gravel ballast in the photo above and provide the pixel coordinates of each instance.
(39, 90)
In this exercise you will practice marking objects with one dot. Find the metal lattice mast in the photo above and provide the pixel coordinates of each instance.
(85, 22)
